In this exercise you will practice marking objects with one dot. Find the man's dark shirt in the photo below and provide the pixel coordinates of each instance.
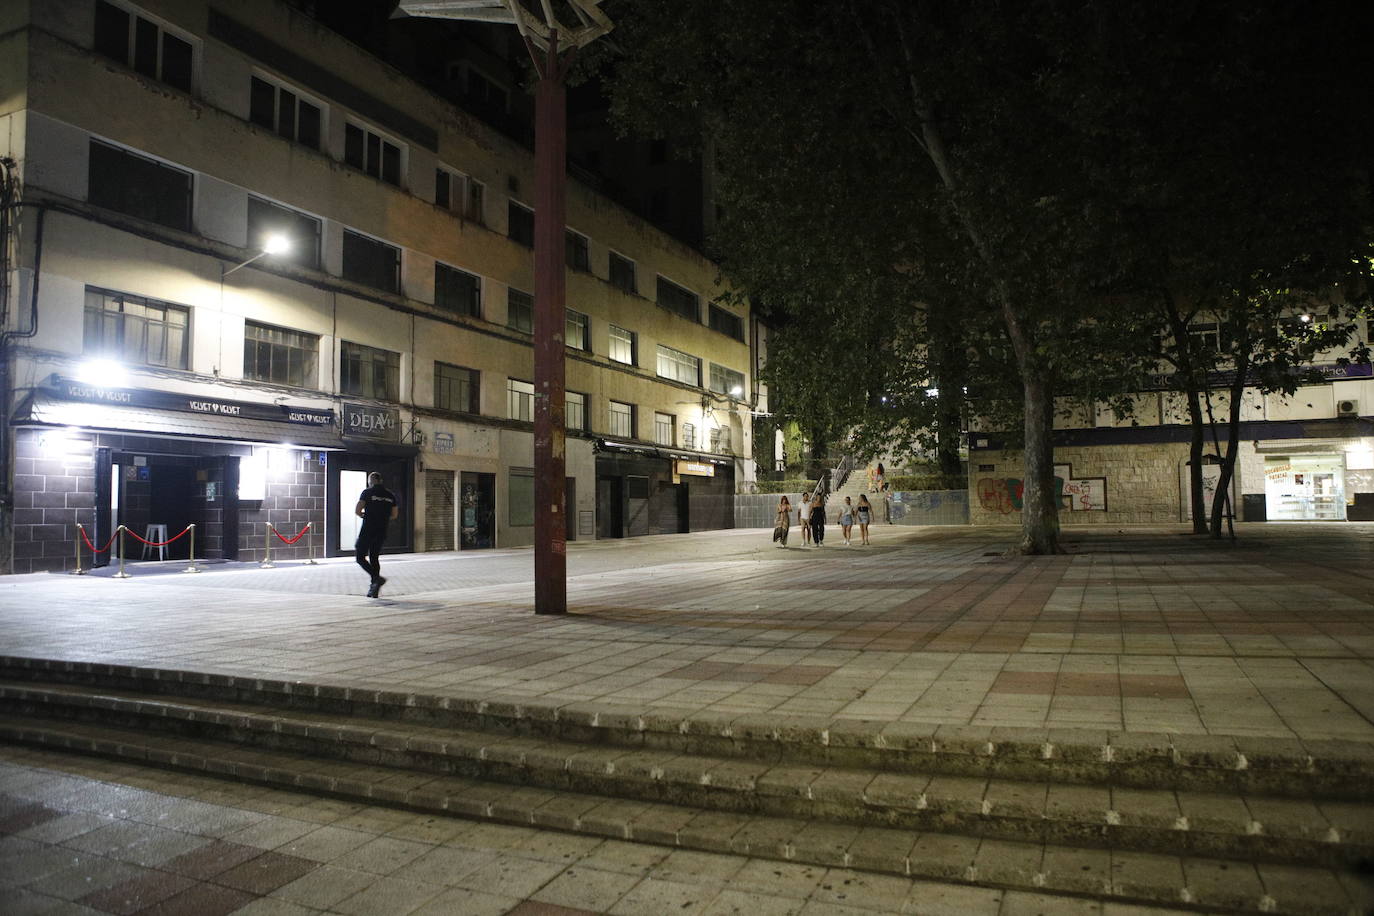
(377, 502)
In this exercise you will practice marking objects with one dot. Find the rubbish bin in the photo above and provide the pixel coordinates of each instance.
(1253, 508)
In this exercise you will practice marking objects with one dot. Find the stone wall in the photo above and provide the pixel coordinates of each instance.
(54, 489)
(1142, 484)
(295, 495)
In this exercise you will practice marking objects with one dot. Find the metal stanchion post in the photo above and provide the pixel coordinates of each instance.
(192, 568)
(310, 544)
(78, 571)
(119, 533)
(266, 547)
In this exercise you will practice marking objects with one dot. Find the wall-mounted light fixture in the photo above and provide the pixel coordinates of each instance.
(275, 243)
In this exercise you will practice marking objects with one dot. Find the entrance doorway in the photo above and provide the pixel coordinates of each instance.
(477, 503)
(439, 510)
(1305, 488)
(170, 491)
(348, 524)
(610, 507)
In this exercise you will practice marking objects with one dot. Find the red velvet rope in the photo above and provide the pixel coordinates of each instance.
(160, 543)
(300, 534)
(95, 549)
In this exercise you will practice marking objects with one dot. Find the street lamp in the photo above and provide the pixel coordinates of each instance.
(275, 243)
(551, 44)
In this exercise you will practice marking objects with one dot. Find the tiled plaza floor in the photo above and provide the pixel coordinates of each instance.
(85, 836)
(1141, 630)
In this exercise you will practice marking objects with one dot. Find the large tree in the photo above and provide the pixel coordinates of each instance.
(928, 146)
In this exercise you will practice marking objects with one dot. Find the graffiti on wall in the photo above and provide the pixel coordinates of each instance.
(1076, 494)
(1000, 494)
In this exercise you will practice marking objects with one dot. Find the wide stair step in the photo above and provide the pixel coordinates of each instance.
(921, 809)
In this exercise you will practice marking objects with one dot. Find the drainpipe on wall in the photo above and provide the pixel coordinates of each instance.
(10, 203)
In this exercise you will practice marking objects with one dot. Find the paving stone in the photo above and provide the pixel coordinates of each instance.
(943, 856)
(1304, 890)
(1005, 862)
(1214, 883)
(1085, 871)
(1147, 876)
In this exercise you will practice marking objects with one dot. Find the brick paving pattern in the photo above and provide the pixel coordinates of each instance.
(1138, 631)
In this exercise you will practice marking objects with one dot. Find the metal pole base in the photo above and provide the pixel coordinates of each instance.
(121, 575)
(267, 564)
(77, 572)
(191, 569)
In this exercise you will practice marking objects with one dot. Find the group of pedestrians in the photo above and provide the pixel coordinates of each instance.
(811, 519)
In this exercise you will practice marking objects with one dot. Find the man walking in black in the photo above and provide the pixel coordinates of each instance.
(377, 506)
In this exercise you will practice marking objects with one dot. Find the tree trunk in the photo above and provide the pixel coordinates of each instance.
(1039, 507)
(1228, 461)
(1196, 445)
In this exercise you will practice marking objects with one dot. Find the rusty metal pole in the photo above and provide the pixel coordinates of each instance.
(550, 317)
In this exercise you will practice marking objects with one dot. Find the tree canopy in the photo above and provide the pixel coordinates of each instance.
(996, 197)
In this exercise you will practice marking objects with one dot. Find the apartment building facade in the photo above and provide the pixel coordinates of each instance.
(252, 263)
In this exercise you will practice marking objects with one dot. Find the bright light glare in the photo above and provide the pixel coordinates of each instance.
(276, 243)
(736, 391)
(105, 372)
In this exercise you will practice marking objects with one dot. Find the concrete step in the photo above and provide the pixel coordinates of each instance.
(1114, 874)
(1318, 769)
(1244, 827)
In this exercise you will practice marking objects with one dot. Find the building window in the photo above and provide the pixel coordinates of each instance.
(520, 400)
(484, 91)
(139, 186)
(455, 388)
(520, 498)
(663, 428)
(622, 345)
(147, 46)
(280, 356)
(444, 180)
(1206, 336)
(679, 366)
(576, 248)
(137, 331)
(727, 323)
(689, 435)
(369, 372)
(474, 206)
(574, 410)
(577, 333)
(275, 107)
(371, 263)
(520, 224)
(457, 291)
(623, 274)
(369, 152)
(303, 232)
(519, 311)
(720, 440)
(678, 300)
(727, 381)
(620, 420)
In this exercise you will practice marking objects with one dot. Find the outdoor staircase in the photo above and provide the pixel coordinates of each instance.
(1236, 824)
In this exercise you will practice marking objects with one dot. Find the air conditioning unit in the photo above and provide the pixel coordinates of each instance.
(1347, 407)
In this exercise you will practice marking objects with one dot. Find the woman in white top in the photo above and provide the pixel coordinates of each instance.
(847, 519)
(804, 517)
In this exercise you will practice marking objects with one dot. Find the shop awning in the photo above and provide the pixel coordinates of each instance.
(43, 410)
(652, 451)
